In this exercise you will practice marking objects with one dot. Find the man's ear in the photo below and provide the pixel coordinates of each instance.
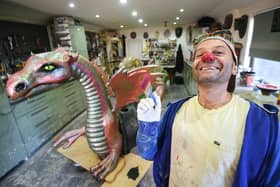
(234, 70)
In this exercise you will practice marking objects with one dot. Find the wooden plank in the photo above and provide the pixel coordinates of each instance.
(80, 153)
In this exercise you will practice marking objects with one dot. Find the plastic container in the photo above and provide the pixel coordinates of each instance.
(146, 139)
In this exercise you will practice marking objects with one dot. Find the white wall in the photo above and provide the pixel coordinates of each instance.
(246, 40)
(134, 47)
(251, 11)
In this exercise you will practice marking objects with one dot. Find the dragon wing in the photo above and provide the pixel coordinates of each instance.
(129, 86)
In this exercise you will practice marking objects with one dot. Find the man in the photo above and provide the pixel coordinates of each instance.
(215, 138)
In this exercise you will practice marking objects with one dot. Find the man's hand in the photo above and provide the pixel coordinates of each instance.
(149, 109)
(148, 115)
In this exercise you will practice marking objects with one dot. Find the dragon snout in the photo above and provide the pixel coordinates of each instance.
(21, 86)
(16, 89)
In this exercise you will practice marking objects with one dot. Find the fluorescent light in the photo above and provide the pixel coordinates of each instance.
(121, 26)
(174, 23)
(123, 1)
(97, 16)
(134, 13)
(177, 18)
(71, 5)
(140, 20)
(181, 10)
(145, 25)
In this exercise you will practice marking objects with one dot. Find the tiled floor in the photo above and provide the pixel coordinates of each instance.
(47, 168)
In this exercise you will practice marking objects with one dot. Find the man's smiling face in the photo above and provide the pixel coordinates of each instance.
(213, 62)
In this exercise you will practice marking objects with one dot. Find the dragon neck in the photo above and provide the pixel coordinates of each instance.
(98, 105)
(92, 85)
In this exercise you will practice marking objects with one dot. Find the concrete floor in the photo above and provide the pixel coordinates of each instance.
(48, 168)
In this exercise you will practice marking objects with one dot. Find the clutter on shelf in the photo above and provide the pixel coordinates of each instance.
(159, 51)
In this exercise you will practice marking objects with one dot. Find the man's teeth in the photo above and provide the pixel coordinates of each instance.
(209, 68)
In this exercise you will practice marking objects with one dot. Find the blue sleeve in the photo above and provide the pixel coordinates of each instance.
(260, 157)
(146, 139)
(272, 177)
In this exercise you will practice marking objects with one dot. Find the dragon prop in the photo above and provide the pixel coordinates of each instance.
(46, 70)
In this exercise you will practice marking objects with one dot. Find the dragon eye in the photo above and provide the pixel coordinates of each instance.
(48, 67)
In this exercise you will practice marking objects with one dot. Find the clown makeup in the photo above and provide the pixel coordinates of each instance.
(213, 62)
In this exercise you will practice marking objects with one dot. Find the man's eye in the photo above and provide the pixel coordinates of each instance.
(48, 68)
(218, 53)
(198, 55)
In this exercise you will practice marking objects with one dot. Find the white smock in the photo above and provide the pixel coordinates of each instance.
(206, 144)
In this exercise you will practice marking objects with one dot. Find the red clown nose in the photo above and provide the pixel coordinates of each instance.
(208, 57)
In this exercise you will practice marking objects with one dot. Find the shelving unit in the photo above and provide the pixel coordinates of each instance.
(94, 46)
(69, 35)
(12, 150)
(28, 124)
(62, 32)
(112, 50)
(115, 45)
(17, 42)
(160, 51)
(39, 117)
(104, 53)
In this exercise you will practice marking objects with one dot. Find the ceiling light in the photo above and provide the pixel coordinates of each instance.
(121, 26)
(97, 16)
(177, 18)
(145, 25)
(181, 10)
(174, 23)
(140, 20)
(123, 1)
(134, 13)
(71, 5)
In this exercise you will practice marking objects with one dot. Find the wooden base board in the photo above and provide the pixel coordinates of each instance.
(80, 153)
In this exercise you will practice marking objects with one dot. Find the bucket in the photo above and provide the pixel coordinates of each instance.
(247, 78)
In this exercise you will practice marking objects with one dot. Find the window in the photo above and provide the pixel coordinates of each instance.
(265, 44)
(267, 70)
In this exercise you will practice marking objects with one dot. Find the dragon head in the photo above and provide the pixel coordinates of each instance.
(40, 72)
